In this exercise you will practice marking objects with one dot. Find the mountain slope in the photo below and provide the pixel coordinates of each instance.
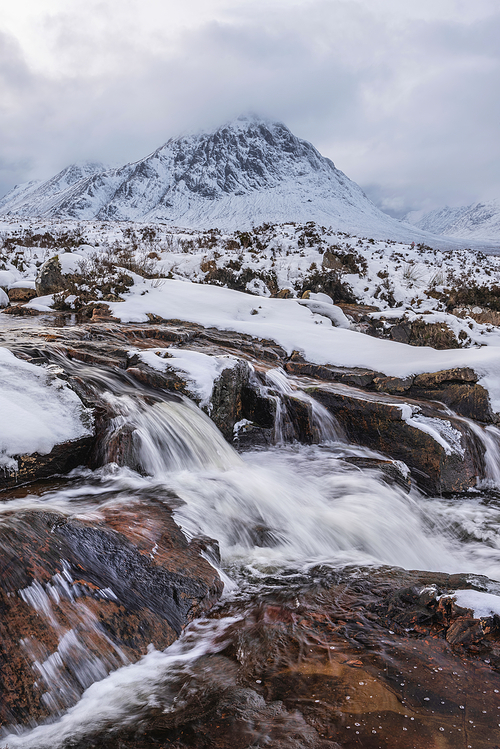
(38, 198)
(476, 221)
(248, 172)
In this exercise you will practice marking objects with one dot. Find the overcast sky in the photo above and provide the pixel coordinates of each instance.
(403, 96)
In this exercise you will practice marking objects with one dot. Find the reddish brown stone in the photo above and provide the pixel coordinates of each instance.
(96, 592)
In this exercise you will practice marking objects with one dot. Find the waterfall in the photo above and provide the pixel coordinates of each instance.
(156, 438)
(275, 513)
(280, 387)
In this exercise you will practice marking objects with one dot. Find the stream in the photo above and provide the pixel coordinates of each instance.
(287, 518)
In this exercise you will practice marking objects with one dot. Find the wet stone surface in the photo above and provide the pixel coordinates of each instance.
(355, 662)
(81, 597)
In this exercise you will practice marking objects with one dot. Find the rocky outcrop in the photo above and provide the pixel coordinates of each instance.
(443, 454)
(82, 597)
(369, 408)
(61, 459)
(457, 388)
(226, 403)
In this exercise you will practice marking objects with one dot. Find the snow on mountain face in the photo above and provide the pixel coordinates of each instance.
(39, 198)
(246, 173)
(476, 221)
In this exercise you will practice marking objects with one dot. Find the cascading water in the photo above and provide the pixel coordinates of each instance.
(279, 386)
(166, 436)
(284, 509)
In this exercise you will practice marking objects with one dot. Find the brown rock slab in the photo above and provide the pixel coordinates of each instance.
(61, 459)
(431, 380)
(329, 666)
(89, 596)
(376, 421)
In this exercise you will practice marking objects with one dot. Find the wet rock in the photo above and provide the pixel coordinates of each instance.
(80, 598)
(50, 279)
(471, 401)
(458, 389)
(61, 459)
(357, 376)
(169, 379)
(393, 472)
(247, 436)
(260, 348)
(21, 311)
(437, 465)
(465, 631)
(359, 661)
(226, 403)
(392, 384)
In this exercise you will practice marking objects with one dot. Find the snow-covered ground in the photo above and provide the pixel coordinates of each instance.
(403, 282)
(295, 327)
(38, 410)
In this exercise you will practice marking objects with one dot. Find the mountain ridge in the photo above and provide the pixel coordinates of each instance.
(247, 172)
(475, 221)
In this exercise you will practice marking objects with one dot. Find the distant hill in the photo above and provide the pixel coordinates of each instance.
(479, 221)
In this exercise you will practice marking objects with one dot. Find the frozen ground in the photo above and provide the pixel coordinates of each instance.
(188, 271)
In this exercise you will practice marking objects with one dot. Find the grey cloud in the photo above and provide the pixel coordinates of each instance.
(407, 108)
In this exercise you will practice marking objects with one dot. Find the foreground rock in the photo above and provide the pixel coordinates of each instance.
(60, 460)
(82, 597)
(369, 660)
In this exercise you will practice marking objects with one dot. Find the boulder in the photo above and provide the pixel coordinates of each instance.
(21, 293)
(393, 472)
(50, 279)
(226, 408)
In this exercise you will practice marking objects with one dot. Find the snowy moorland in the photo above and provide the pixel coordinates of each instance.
(278, 282)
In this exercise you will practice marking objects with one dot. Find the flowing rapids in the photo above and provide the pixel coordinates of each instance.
(275, 513)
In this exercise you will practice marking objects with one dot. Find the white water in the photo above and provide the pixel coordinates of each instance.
(122, 697)
(289, 507)
(324, 424)
(170, 435)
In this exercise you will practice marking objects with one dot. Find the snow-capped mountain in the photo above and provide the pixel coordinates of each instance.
(244, 174)
(476, 221)
(38, 198)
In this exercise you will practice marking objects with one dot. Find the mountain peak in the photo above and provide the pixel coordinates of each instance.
(249, 171)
